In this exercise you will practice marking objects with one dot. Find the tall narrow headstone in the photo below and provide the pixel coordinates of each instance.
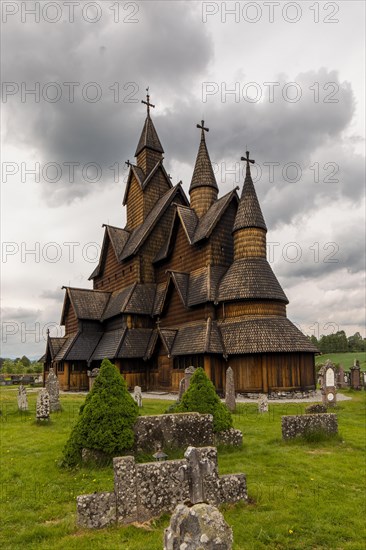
(182, 389)
(355, 376)
(188, 373)
(92, 374)
(43, 405)
(341, 382)
(53, 388)
(137, 396)
(230, 390)
(22, 398)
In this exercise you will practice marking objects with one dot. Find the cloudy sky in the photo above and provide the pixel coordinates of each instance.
(283, 79)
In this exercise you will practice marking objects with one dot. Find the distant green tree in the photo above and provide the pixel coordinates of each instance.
(356, 342)
(106, 418)
(25, 361)
(8, 366)
(201, 397)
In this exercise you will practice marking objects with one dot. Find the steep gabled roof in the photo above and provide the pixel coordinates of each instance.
(203, 174)
(82, 346)
(250, 279)
(118, 238)
(167, 337)
(109, 344)
(249, 212)
(87, 304)
(135, 343)
(55, 344)
(203, 284)
(66, 346)
(136, 298)
(263, 335)
(142, 179)
(196, 228)
(149, 138)
(159, 298)
(189, 220)
(141, 232)
(209, 220)
(181, 281)
(200, 337)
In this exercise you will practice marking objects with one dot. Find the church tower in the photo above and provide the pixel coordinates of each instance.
(203, 190)
(249, 229)
(149, 149)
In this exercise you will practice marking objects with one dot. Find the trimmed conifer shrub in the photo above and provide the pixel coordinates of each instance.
(106, 418)
(201, 397)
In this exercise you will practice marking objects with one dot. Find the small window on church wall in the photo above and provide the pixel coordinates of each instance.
(123, 272)
(130, 268)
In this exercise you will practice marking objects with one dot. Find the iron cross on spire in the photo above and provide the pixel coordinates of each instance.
(147, 102)
(247, 159)
(202, 127)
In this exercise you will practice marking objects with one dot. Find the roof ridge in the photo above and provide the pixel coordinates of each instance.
(208, 333)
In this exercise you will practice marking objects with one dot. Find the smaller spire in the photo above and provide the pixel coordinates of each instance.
(149, 137)
(249, 212)
(203, 174)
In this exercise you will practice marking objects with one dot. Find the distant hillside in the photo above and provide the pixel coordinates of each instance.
(344, 359)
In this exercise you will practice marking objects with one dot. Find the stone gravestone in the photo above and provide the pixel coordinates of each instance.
(356, 376)
(201, 526)
(341, 378)
(92, 374)
(53, 389)
(230, 390)
(22, 398)
(188, 373)
(137, 396)
(262, 403)
(328, 389)
(43, 405)
(182, 389)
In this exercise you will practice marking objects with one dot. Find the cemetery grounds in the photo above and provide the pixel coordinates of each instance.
(302, 494)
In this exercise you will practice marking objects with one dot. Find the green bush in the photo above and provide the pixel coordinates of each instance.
(201, 397)
(106, 418)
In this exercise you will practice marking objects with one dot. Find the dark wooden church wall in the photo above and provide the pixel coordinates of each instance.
(135, 206)
(115, 276)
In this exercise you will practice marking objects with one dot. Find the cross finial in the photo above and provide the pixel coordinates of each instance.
(147, 102)
(202, 127)
(247, 159)
(128, 163)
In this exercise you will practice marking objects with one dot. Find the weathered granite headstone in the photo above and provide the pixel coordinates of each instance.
(22, 398)
(230, 390)
(328, 388)
(92, 374)
(43, 405)
(137, 396)
(200, 527)
(182, 389)
(53, 388)
(341, 381)
(262, 403)
(188, 373)
(356, 376)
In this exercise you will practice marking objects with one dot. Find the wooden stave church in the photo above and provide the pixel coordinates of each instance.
(183, 283)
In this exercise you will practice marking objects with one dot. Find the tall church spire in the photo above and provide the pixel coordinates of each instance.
(149, 149)
(203, 189)
(249, 226)
(249, 212)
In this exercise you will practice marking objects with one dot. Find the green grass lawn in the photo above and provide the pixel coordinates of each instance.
(344, 359)
(302, 495)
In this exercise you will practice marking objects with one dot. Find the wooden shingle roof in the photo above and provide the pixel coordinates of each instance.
(109, 344)
(249, 212)
(203, 174)
(250, 279)
(118, 238)
(199, 337)
(55, 344)
(167, 337)
(82, 346)
(135, 343)
(263, 335)
(141, 232)
(149, 138)
(209, 220)
(87, 304)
